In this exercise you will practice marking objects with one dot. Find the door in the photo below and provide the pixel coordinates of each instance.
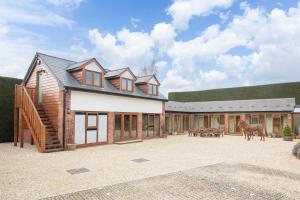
(39, 87)
(125, 127)
(231, 124)
(90, 128)
(102, 131)
(236, 124)
(276, 125)
(80, 129)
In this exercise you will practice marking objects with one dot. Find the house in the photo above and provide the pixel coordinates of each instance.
(273, 106)
(65, 102)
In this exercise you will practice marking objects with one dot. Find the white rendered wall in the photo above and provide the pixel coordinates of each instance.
(127, 74)
(85, 101)
(153, 81)
(93, 67)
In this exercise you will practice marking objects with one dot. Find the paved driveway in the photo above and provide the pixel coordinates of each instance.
(210, 182)
(27, 174)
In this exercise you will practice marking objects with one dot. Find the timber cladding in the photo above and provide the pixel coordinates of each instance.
(281, 90)
(7, 89)
(50, 93)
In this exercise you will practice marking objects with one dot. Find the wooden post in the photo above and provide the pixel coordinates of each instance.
(15, 126)
(31, 140)
(16, 117)
(20, 128)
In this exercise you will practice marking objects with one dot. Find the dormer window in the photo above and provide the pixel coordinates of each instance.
(93, 78)
(152, 89)
(127, 85)
(88, 72)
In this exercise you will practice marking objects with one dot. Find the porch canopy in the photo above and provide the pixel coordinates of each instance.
(254, 105)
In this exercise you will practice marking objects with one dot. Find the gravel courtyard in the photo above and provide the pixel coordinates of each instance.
(179, 167)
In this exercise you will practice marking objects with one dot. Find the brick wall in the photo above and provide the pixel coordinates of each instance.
(111, 127)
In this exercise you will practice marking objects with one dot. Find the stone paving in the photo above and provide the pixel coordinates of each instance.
(209, 182)
(27, 175)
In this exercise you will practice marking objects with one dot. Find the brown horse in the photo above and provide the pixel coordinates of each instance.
(251, 130)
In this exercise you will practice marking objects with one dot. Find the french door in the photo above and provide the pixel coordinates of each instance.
(151, 125)
(125, 127)
(90, 128)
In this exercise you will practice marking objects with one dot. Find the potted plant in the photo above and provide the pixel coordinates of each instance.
(288, 135)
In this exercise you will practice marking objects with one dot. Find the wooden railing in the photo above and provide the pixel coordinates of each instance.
(24, 102)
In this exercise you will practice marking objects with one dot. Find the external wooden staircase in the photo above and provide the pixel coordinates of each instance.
(36, 120)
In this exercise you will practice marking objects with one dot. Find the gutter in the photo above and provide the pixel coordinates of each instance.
(112, 93)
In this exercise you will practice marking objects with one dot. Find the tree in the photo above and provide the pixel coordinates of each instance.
(150, 69)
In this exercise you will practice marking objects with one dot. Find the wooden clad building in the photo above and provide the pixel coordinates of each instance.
(64, 102)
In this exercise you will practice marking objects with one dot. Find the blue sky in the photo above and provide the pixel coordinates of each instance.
(196, 44)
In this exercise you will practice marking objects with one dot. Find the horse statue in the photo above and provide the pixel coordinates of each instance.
(250, 130)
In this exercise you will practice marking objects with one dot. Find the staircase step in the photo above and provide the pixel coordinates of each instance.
(52, 142)
(51, 146)
(128, 141)
(53, 150)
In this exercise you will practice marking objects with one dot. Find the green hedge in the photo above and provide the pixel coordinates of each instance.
(6, 107)
(282, 90)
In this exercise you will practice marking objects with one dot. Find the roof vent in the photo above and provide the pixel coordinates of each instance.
(39, 62)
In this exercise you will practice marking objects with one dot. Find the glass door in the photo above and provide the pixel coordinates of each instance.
(125, 127)
(236, 124)
(151, 125)
(231, 124)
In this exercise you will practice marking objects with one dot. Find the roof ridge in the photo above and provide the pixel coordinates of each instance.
(144, 76)
(39, 53)
(111, 70)
(86, 60)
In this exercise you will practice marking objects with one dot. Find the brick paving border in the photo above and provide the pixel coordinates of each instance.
(197, 183)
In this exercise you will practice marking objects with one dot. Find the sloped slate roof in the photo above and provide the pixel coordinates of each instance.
(114, 73)
(59, 66)
(77, 65)
(255, 105)
(143, 79)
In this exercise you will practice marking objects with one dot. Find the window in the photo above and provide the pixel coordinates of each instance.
(93, 78)
(92, 121)
(97, 79)
(152, 89)
(129, 85)
(126, 84)
(89, 78)
(151, 125)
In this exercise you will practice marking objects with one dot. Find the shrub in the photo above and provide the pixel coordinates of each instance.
(287, 131)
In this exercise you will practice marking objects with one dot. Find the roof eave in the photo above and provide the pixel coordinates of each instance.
(112, 93)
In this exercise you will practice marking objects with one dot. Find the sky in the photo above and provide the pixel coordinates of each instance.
(196, 44)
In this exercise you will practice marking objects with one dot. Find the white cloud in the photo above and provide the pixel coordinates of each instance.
(271, 38)
(134, 22)
(232, 65)
(30, 12)
(182, 11)
(66, 3)
(174, 81)
(18, 44)
(15, 55)
(126, 48)
(163, 34)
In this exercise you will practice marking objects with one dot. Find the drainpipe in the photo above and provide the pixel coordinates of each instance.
(64, 118)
